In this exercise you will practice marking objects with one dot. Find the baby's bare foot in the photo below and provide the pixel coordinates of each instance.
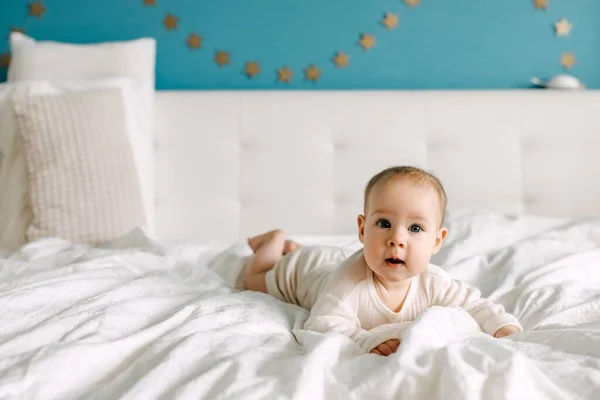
(290, 246)
(256, 242)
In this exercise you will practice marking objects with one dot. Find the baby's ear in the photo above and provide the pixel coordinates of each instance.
(361, 227)
(439, 238)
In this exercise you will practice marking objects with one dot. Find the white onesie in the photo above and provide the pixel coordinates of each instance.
(342, 297)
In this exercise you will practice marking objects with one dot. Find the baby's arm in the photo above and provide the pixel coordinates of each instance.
(491, 317)
(330, 314)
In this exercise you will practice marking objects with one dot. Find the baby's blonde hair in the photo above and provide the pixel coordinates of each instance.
(414, 174)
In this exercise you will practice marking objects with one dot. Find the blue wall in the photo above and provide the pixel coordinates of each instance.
(440, 44)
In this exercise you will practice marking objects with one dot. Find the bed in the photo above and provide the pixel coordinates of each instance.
(158, 312)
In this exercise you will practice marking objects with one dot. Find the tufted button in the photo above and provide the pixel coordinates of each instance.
(530, 199)
(242, 201)
(338, 145)
(531, 145)
(244, 144)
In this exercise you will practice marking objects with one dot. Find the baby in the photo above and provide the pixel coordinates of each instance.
(390, 281)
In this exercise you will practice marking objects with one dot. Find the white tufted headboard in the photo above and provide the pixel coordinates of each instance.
(230, 164)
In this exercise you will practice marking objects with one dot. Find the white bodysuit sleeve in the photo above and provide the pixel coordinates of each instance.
(329, 314)
(490, 316)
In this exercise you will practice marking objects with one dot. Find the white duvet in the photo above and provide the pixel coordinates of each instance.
(144, 319)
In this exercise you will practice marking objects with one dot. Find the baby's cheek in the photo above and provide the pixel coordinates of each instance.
(428, 241)
(371, 258)
(423, 252)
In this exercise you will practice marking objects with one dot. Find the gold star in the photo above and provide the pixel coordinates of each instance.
(194, 41)
(367, 41)
(36, 9)
(5, 60)
(413, 3)
(341, 60)
(390, 21)
(312, 73)
(170, 22)
(149, 2)
(252, 69)
(568, 60)
(222, 58)
(539, 4)
(285, 75)
(563, 27)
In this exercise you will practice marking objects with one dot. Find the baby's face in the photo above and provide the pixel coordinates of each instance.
(401, 229)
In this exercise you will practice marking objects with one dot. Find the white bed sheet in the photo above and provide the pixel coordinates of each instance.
(146, 319)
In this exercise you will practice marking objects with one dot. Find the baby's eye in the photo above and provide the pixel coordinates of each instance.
(384, 223)
(415, 228)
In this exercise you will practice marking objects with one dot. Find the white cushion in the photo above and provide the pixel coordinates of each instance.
(15, 213)
(83, 183)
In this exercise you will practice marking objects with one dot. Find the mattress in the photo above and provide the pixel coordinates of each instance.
(144, 318)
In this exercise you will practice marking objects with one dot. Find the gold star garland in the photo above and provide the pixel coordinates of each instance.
(367, 41)
(4, 60)
(171, 22)
(222, 58)
(252, 69)
(312, 73)
(540, 4)
(561, 28)
(390, 21)
(36, 9)
(194, 41)
(341, 60)
(285, 75)
(567, 60)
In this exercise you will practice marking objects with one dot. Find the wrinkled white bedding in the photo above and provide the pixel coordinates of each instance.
(145, 319)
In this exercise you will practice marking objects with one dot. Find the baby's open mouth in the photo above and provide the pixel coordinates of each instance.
(395, 261)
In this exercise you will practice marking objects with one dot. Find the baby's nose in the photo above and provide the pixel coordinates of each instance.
(397, 239)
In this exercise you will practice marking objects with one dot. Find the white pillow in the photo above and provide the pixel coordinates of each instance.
(45, 59)
(15, 211)
(68, 62)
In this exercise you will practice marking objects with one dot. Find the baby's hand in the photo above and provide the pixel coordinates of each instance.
(506, 331)
(386, 348)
